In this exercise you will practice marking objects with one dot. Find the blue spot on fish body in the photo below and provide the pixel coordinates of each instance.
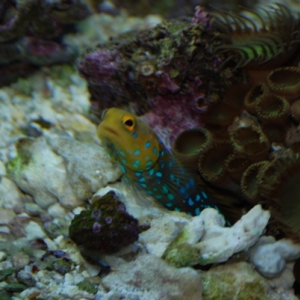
(126, 179)
(197, 211)
(192, 182)
(136, 163)
(182, 190)
(165, 189)
(151, 172)
(122, 153)
(135, 135)
(137, 174)
(171, 197)
(137, 152)
(158, 174)
(123, 169)
(147, 144)
(190, 202)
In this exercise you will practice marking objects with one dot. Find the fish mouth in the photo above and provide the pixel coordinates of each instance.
(111, 130)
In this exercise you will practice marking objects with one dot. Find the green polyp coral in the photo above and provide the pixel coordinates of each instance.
(105, 227)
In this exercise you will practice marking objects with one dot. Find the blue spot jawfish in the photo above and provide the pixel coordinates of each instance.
(149, 164)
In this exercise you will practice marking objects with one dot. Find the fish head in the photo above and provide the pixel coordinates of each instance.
(128, 139)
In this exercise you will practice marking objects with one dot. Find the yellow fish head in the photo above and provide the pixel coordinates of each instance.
(129, 140)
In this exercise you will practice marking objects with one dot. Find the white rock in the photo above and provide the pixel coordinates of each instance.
(149, 277)
(10, 195)
(270, 256)
(285, 280)
(88, 165)
(4, 229)
(68, 280)
(161, 233)
(219, 243)
(6, 215)
(50, 244)
(56, 210)
(2, 169)
(34, 231)
(2, 256)
(45, 176)
(78, 210)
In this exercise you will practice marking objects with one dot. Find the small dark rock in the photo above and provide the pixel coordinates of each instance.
(26, 278)
(105, 228)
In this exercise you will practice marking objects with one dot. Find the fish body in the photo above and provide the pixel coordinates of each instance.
(145, 161)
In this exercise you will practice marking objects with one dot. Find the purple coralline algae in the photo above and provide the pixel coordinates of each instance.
(169, 73)
(105, 227)
(31, 34)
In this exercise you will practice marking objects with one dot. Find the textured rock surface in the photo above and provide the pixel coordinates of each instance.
(152, 278)
(270, 256)
(70, 171)
(239, 281)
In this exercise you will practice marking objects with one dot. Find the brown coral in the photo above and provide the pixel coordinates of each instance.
(189, 143)
(285, 82)
(251, 97)
(272, 108)
(282, 191)
(250, 181)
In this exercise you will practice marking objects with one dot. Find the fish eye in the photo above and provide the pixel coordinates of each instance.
(128, 122)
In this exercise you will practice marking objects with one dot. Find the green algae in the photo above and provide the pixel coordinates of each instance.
(5, 273)
(16, 165)
(87, 286)
(182, 255)
(15, 287)
(236, 281)
(5, 295)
